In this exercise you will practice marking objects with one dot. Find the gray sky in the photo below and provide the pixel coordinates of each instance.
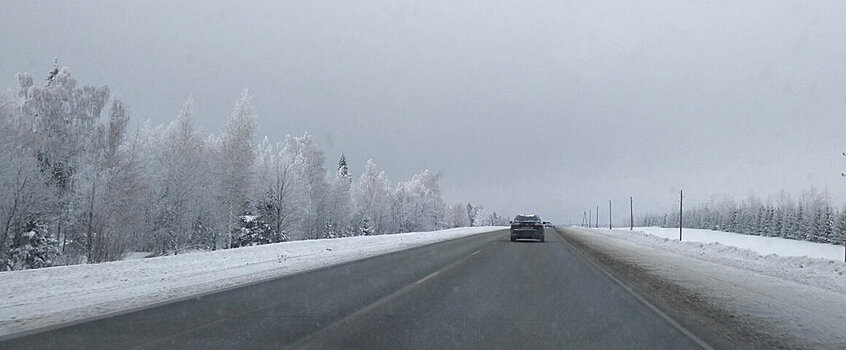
(547, 107)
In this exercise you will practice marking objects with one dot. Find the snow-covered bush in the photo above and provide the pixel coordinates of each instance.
(252, 230)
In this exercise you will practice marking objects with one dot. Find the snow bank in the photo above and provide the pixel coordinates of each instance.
(745, 252)
(800, 299)
(32, 299)
(759, 244)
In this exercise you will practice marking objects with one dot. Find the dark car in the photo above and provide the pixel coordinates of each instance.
(527, 226)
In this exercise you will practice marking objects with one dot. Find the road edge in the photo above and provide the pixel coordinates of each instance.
(712, 324)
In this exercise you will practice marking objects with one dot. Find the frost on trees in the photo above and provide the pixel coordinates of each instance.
(238, 152)
(251, 230)
(417, 204)
(33, 248)
(809, 218)
(97, 189)
(280, 192)
(372, 197)
(340, 206)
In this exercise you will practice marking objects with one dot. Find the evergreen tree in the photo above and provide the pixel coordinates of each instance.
(817, 226)
(825, 234)
(365, 228)
(789, 224)
(33, 247)
(777, 220)
(840, 232)
(252, 230)
(800, 230)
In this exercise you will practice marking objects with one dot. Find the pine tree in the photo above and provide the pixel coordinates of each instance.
(788, 225)
(777, 220)
(33, 247)
(365, 228)
(343, 169)
(840, 232)
(252, 230)
(816, 232)
(800, 229)
(826, 232)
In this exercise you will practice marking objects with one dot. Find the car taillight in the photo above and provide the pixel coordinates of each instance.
(538, 226)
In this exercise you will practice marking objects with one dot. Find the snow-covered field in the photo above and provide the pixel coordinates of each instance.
(801, 299)
(32, 299)
(758, 244)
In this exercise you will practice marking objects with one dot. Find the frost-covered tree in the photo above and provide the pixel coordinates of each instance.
(123, 188)
(33, 247)
(340, 206)
(101, 189)
(824, 226)
(372, 197)
(181, 184)
(280, 192)
(840, 228)
(311, 169)
(811, 217)
(458, 215)
(417, 204)
(66, 127)
(24, 187)
(238, 158)
(251, 230)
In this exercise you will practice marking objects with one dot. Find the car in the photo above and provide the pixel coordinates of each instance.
(527, 226)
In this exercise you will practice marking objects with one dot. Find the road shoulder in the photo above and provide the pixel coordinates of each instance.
(703, 313)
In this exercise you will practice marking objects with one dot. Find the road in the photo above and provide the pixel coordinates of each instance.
(479, 292)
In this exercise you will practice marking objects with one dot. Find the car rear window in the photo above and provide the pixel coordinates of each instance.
(526, 218)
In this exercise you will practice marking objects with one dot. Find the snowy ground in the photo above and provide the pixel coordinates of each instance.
(758, 244)
(32, 299)
(800, 300)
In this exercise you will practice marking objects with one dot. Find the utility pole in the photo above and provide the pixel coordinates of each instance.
(609, 214)
(631, 214)
(844, 238)
(597, 217)
(590, 218)
(681, 202)
(584, 219)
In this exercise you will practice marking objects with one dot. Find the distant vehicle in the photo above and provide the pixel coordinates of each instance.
(527, 226)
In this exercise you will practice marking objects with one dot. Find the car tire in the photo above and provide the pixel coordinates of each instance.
(513, 239)
(541, 239)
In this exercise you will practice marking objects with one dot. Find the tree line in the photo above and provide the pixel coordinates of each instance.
(77, 187)
(811, 217)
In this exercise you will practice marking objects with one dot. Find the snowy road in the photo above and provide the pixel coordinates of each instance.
(480, 292)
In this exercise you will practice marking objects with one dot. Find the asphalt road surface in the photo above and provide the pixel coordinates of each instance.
(479, 292)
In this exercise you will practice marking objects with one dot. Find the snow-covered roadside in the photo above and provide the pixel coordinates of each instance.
(797, 299)
(746, 252)
(759, 244)
(32, 299)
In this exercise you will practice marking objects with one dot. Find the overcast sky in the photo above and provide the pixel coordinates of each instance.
(547, 107)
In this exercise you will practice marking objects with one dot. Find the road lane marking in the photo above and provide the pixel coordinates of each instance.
(433, 274)
(306, 342)
(476, 252)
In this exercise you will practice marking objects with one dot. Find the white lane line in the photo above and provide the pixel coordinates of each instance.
(643, 300)
(305, 342)
(433, 274)
(476, 252)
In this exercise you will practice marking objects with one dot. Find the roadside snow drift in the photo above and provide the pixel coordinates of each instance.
(31, 299)
(759, 244)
